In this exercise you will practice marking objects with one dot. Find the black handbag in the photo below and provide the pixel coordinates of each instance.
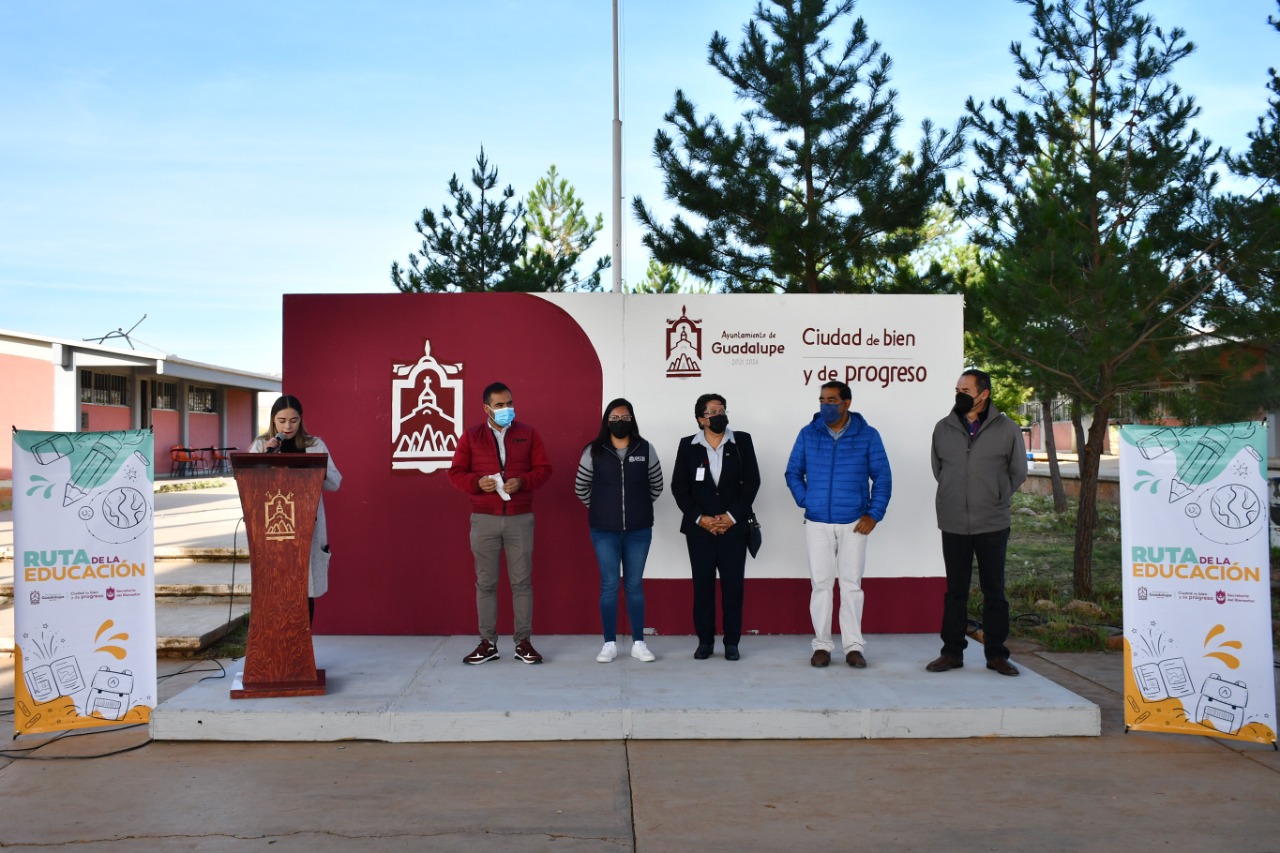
(754, 539)
(753, 534)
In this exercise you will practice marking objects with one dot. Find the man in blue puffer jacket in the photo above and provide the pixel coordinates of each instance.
(839, 475)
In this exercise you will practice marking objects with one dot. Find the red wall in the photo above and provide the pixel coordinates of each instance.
(164, 423)
(402, 562)
(240, 426)
(204, 430)
(107, 418)
(26, 401)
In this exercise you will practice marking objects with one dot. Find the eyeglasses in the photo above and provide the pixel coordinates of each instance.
(711, 413)
(623, 419)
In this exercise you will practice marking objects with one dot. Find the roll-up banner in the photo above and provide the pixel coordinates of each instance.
(84, 581)
(1197, 587)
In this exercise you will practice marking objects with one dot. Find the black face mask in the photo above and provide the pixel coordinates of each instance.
(620, 429)
(964, 403)
(718, 424)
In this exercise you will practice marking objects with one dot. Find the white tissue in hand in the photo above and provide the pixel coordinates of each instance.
(497, 478)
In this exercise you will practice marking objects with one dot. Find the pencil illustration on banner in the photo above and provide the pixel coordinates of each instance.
(91, 469)
(1199, 467)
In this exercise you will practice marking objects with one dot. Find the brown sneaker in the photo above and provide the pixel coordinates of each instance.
(484, 653)
(527, 653)
(855, 659)
(944, 663)
(821, 657)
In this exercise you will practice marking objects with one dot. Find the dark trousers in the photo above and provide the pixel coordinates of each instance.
(707, 555)
(958, 552)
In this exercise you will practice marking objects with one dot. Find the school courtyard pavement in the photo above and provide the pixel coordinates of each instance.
(117, 790)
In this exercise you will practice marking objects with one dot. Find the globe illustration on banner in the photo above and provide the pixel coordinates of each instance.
(124, 508)
(1235, 506)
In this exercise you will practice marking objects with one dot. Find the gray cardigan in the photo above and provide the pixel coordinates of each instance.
(977, 478)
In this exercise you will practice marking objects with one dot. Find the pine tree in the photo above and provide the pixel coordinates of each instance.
(1091, 205)
(559, 235)
(809, 192)
(1243, 315)
(472, 247)
(665, 278)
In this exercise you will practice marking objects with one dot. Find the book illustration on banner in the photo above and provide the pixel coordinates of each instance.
(1220, 701)
(426, 413)
(49, 681)
(108, 696)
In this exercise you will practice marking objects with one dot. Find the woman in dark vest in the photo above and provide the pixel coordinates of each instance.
(618, 479)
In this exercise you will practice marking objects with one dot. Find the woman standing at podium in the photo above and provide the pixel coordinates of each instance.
(290, 436)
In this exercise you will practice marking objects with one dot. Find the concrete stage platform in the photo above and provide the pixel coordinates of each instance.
(416, 689)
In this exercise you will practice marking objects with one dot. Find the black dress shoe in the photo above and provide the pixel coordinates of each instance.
(731, 652)
(1002, 666)
(702, 652)
(944, 663)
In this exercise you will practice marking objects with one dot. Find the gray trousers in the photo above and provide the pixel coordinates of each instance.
(490, 536)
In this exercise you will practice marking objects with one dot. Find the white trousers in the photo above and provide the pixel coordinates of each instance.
(836, 551)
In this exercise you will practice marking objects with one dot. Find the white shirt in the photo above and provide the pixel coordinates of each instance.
(715, 460)
(500, 433)
(715, 455)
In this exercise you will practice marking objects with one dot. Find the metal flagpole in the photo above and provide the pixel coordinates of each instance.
(617, 165)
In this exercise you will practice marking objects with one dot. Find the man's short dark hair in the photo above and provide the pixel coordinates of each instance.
(699, 406)
(494, 388)
(981, 377)
(846, 393)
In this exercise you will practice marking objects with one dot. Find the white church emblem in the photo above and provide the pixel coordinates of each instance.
(426, 413)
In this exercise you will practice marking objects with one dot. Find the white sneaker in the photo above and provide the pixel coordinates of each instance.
(608, 653)
(640, 651)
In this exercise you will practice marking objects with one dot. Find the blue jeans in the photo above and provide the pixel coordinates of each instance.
(628, 548)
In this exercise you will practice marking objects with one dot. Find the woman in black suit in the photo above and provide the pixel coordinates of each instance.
(714, 483)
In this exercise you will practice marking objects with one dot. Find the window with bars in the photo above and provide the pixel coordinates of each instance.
(104, 389)
(164, 395)
(201, 399)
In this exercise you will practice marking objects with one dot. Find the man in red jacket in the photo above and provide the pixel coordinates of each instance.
(499, 463)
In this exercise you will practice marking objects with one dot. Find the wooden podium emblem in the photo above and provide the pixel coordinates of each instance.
(279, 513)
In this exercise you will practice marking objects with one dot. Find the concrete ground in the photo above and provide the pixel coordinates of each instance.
(1134, 791)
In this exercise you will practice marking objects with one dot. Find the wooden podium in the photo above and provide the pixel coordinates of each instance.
(279, 493)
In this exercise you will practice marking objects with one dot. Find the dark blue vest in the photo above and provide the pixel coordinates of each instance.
(620, 490)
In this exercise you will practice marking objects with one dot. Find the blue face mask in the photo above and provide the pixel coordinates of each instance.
(830, 412)
(504, 417)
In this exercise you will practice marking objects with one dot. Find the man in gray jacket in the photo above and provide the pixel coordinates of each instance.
(979, 461)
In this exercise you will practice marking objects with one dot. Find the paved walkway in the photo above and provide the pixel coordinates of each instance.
(1117, 791)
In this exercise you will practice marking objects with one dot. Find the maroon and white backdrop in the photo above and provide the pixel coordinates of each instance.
(390, 381)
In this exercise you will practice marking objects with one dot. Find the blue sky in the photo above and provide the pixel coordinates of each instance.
(196, 161)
